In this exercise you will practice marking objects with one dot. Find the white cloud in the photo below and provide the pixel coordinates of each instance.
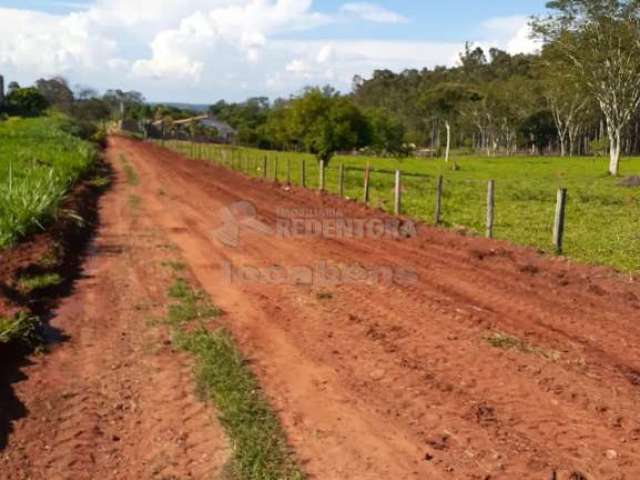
(512, 34)
(50, 44)
(182, 52)
(373, 13)
(202, 50)
(339, 61)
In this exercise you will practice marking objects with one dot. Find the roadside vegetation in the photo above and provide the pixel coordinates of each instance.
(49, 141)
(41, 161)
(19, 327)
(260, 450)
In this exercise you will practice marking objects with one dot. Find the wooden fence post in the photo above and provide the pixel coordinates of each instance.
(264, 167)
(321, 174)
(288, 171)
(303, 177)
(439, 189)
(398, 194)
(341, 180)
(490, 207)
(558, 225)
(366, 185)
(275, 169)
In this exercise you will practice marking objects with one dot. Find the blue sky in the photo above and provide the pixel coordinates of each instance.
(201, 50)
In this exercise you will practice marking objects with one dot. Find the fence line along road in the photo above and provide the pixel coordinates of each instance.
(347, 179)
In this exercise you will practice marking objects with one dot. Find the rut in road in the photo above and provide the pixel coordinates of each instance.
(406, 380)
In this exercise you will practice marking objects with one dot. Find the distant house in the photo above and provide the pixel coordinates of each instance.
(181, 129)
(226, 133)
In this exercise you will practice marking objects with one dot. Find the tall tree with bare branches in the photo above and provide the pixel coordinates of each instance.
(600, 39)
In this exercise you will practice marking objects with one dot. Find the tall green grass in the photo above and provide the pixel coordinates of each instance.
(603, 218)
(39, 162)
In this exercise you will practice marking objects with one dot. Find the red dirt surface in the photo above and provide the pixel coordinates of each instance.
(112, 400)
(371, 380)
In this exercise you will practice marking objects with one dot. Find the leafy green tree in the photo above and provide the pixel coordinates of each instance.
(387, 132)
(327, 123)
(540, 129)
(28, 102)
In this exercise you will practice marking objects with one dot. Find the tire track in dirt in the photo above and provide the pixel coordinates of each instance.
(115, 401)
(408, 363)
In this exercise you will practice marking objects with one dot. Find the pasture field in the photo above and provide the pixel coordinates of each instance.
(603, 217)
(40, 159)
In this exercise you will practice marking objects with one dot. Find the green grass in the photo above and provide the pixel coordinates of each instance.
(603, 218)
(174, 265)
(21, 327)
(31, 283)
(260, 450)
(507, 342)
(129, 171)
(190, 305)
(39, 163)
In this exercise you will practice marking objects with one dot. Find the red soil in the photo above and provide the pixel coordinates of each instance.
(371, 380)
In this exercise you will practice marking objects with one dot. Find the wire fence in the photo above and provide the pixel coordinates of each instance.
(519, 210)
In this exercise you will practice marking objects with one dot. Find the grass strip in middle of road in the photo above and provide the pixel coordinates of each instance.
(259, 443)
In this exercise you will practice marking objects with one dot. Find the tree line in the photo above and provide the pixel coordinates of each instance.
(580, 95)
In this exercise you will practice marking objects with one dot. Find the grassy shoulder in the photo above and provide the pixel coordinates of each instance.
(224, 378)
(603, 216)
(50, 182)
(41, 159)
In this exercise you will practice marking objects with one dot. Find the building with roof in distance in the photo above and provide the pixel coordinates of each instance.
(200, 128)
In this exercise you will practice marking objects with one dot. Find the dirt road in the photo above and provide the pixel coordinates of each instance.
(482, 361)
(112, 400)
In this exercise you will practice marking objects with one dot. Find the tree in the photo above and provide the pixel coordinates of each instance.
(539, 128)
(12, 86)
(329, 123)
(443, 102)
(387, 132)
(320, 121)
(600, 40)
(126, 105)
(566, 101)
(91, 110)
(57, 92)
(26, 101)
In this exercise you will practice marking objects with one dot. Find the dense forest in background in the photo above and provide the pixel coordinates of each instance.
(580, 95)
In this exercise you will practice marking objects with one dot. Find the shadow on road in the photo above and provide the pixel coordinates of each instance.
(73, 238)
